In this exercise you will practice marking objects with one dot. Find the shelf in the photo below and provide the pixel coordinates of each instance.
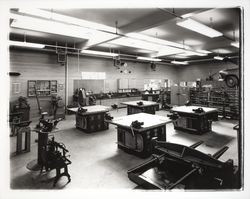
(226, 100)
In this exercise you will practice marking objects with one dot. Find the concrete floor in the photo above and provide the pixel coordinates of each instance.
(96, 161)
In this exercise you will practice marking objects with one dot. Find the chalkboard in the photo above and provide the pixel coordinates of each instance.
(96, 86)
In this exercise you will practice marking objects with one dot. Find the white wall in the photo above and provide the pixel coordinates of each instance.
(139, 71)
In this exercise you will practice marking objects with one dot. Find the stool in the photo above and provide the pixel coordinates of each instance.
(59, 174)
(23, 127)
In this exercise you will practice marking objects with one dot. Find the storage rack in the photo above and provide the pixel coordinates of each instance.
(225, 100)
(198, 97)
(165, 97)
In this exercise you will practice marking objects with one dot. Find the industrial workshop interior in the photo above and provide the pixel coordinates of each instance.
(135, 99)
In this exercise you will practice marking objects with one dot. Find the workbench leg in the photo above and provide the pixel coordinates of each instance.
(19, 141)
(27, 140)
(42, 142)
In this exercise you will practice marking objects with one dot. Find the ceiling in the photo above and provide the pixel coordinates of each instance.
(159, 23)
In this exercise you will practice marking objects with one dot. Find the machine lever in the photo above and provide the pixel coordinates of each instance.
(220, 152)
(195, 145)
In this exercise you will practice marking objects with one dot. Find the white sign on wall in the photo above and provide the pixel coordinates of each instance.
(16, 88)
(93, 75)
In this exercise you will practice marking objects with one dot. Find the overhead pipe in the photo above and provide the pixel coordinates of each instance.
(125, 56)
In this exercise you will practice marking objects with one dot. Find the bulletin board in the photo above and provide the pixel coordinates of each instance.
(43, 87)
(96, 86)
(110, 85)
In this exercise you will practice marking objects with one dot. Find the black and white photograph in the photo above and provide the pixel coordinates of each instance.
(120, 99)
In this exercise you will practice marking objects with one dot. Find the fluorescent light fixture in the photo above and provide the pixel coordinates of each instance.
(162, 47)
(36, 12)
(193, 42)
(52, 27)
(148, 59)
(179, 56)
(135, 43)
(66, 19)
(145, 51)
(167, 52)
(156, 40)
(141, 44)
(199, 27)
(221, 51)
(218, 57)
(26, 44)
(179, 62)
(204, 51)
(108, 45)
(235, 44)
(187, 15)
(93, 52)
(191, 53)
(181, 52)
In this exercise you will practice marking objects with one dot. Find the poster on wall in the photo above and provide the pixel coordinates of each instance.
(16, 88)
(93, 75)
(60, 87)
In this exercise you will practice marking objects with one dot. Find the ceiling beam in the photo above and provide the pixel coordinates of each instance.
(156, 19)
(143, 23)
(98, 38)
(185, 13)
(146, 22)
(220, 43)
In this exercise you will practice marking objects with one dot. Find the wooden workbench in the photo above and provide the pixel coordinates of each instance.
(146, 107)
(137, 141)
(92, 120)
(191, 121)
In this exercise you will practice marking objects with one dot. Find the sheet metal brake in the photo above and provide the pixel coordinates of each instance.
(182, 167)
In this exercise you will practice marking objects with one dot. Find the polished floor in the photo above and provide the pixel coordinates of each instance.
(97, 163)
